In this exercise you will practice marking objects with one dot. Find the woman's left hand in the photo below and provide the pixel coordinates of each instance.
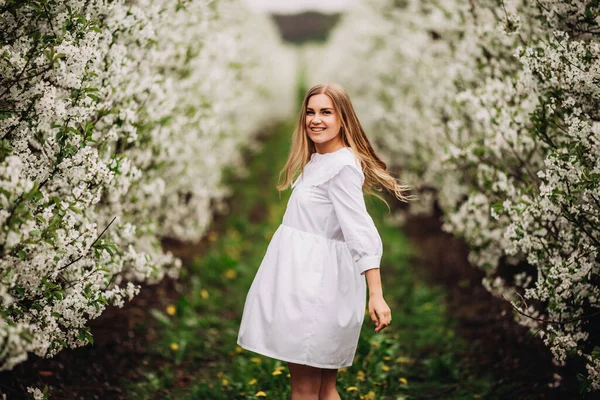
(380, 313)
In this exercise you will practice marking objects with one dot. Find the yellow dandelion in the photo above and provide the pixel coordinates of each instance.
(238, 349)
(260, 393)
(368, 396)
(212, 236)
(204, 293)
(174, 346)
(288, 375)
(352, 389)
(252, 381)
(171, 309)
(276, 372)
(403, 381)
(360, 375)
(476, 396)
(385, 368)
(224, 382)
(255, 360)
(404, 360)
(280, 368)
(230, 274)
(342, 370)
(220, 374)
(387, 358)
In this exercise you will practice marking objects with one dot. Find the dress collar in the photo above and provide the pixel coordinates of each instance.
(318, 157)
(322, 167)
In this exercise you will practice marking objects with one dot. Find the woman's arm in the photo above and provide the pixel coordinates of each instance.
(360, 233)
(362, 238)
(374, 282)
(379, 311)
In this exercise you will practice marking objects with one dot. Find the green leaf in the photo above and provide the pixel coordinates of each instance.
(596, 352)
(94, 97)
(9, 274)
(75, 209)
(160, 316)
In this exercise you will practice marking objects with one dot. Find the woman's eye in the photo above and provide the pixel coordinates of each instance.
(309, 113)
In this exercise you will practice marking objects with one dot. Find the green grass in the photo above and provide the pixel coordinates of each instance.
(196, 356)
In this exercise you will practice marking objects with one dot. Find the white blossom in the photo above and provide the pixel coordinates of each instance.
(495, 105)
(122, 121)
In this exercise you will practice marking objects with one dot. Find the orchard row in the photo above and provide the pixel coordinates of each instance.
(116, 120)
(490, 109)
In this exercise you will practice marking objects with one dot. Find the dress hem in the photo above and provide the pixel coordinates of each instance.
(286, 359)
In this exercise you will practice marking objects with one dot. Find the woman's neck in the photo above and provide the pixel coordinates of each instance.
(329, 147)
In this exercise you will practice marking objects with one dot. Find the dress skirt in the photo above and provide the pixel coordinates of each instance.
(307, 302)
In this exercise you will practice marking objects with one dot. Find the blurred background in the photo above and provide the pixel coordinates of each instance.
(302, 21)
(141, 143)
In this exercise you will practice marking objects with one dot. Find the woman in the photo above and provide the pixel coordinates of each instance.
(306, 303)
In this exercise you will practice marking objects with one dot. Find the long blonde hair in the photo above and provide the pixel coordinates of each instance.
(353, 136)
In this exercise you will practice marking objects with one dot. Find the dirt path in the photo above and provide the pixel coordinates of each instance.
(521, 366)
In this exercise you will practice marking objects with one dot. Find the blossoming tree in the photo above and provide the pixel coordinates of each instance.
(490, 108)
(116, 118)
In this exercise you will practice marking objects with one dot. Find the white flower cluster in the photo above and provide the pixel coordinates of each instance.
(494, 105)
(117, 118)
(36, 394)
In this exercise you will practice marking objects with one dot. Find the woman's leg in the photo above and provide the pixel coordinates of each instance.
(328, 389)
(306, 381)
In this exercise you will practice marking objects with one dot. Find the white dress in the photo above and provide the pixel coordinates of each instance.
(307, 302)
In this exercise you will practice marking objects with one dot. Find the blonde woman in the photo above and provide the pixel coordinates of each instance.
(306, 304)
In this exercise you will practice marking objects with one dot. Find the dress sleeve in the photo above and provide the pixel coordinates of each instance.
(361, 235)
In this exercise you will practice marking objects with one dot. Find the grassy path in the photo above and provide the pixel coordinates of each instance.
(196, 356)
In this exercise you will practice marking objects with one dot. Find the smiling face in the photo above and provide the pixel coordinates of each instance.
(323, 123)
